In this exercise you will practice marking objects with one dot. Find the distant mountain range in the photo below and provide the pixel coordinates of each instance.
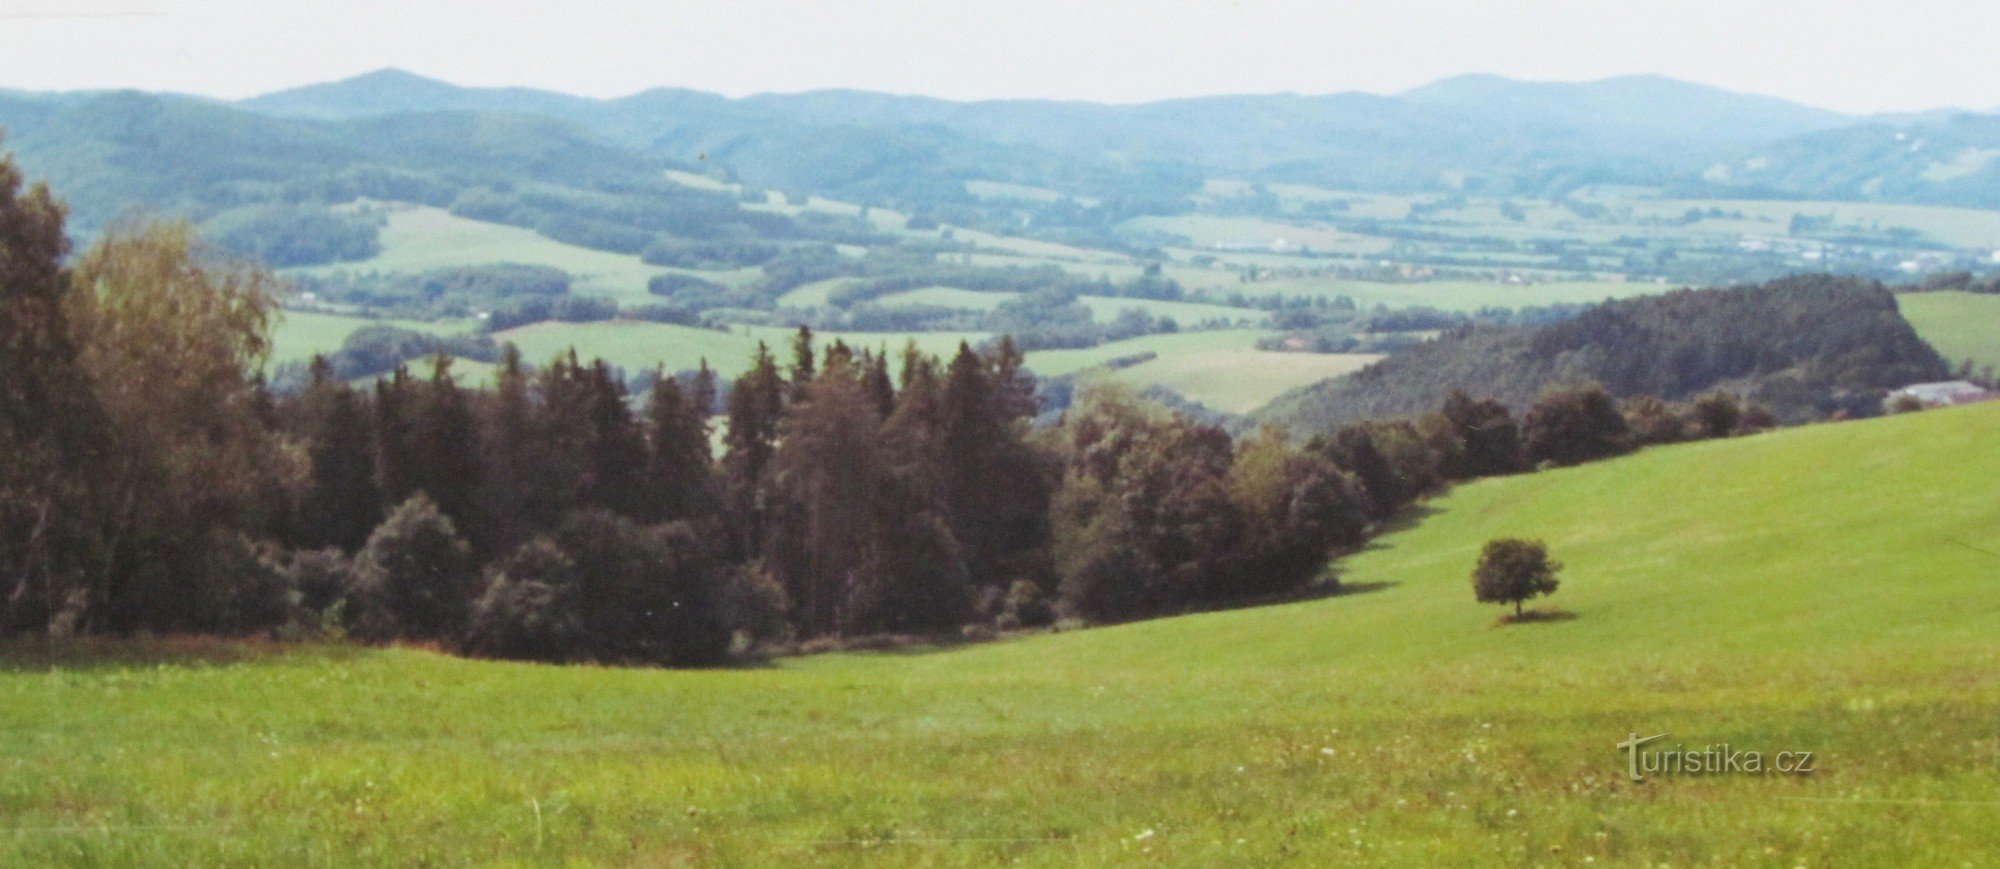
(111, 150)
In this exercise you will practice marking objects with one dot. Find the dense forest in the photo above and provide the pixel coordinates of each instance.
(1807, 347)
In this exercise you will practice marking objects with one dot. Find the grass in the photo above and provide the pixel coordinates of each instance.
(299, 335)
(1821, 590)
(1960, 326)
(1454, 295)
(421, 238)
(1220, 368)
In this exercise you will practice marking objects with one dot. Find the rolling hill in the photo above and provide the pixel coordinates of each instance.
(1825, 589)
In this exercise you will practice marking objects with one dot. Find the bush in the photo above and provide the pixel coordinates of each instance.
(320, 578)
(416, 577)
(1569, 425)
(754, 605)
(528, 611)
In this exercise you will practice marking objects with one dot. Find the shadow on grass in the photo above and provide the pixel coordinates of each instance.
(37, 654)
(1529, 617)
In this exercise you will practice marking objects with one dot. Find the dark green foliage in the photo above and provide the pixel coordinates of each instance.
(1715, 415)
(1812, 345)
(342, 503)
(561, 309)
(529, 610)
(51, 428)
(680, 477)
(755, 404)
(1653, 421)
(1144, 519)
(1574, 424)
(321, 578)
(856, 540)
(295, 235)
(1490, 439)
(416, 578)
(1297, 508)
(643, 594)
(1512, 571)
(460, 291)
(375, 350)
(444, 448)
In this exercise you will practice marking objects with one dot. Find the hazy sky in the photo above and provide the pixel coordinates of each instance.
(1861, 55)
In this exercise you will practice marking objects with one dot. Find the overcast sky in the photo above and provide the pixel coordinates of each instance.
(1857, 55)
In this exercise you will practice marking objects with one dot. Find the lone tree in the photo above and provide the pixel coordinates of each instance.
(1512, 570)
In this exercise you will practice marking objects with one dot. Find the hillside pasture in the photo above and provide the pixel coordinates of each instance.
(1823, 590)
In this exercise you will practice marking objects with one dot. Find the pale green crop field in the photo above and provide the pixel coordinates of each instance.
(1210, 230)
(297, 336)
(1958, 227)
(1455, 295)
(421, 238)
(1102, 308)
(1239, 381)
(1823, 589)
(1960, 326)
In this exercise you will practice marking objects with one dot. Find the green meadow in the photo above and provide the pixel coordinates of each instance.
(421, 238)
(299, 335)
(1960, 326)
(1828, 589)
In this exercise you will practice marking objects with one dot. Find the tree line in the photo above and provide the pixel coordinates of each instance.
(154, 483)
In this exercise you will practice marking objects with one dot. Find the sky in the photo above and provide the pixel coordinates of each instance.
(1851, 55)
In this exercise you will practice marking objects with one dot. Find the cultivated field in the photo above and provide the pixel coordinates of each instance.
(299, 335)
(421, 238)
(1827, 589)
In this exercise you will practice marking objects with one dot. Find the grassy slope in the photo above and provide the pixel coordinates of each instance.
(1960, 325)
(1810, 593)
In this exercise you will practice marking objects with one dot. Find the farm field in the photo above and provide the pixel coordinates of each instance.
(1102, 308)
(1239, 381)
(299, 335)
(421, 238)
(1825, 609)
(1960, 326)
(1453, 295)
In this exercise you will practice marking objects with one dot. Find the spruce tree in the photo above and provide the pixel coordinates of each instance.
(342, 503)
(679, 480)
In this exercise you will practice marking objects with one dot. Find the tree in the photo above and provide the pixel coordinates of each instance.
(341, 503)
(529, 611)
(1492, 441)
(679, 478)
(1716, 414)
(1574, 424)
(53, 435)
(416, 577)
(444, 444)
(1297, 506)
(168, 334)
(756, 403)
(1653, 421)
(509, 459)
(1512, 570)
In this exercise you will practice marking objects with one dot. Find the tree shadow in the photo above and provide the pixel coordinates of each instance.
(87, 654)
(1405, 519)
(1528, 617)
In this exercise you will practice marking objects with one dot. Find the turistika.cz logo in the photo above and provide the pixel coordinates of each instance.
(1721, 759)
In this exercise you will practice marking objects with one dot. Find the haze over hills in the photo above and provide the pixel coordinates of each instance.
(1474, 133)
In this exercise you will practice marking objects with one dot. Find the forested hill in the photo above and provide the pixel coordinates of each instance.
(1806, 347)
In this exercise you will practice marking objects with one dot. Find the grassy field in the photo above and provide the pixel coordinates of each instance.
(1960, 325)
(1822, 590)
(1221, 368)
(419, 238)
(298, 335)
(1453, 295)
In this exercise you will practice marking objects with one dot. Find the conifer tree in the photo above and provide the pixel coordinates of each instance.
(679, 478)
(444, 441)
(342, 503)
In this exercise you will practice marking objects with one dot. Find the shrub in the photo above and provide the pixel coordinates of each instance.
(416, 576)
(528, 611)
